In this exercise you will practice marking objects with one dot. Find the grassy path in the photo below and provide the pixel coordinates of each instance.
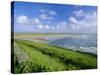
(35, 56)
(50, 58)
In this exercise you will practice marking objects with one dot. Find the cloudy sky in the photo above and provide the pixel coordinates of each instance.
(54, 18)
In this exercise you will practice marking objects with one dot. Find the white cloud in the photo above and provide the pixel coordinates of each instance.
(35, 21)
(73, 20)
(58, 26)
(74, 27)
(47, 27)
(22, 20)
(47, 14)
(40, 26)
(62, 25)
(79, 13)
(46, 17)
(52, 13)
(87, 24)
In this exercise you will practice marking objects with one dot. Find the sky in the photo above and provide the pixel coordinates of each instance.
(54, 18)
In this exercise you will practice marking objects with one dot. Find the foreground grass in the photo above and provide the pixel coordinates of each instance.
(43, 58)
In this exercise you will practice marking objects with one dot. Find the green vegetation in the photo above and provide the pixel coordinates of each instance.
(40, 57)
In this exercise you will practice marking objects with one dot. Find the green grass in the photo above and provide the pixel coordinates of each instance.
(44, 57)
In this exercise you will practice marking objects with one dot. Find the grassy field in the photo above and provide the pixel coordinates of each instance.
(32, 56)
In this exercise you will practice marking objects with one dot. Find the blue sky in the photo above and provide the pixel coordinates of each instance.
(54, 18)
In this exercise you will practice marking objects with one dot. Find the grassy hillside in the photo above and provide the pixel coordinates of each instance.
(39, 57)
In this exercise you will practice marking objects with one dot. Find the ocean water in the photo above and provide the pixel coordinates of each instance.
(80, 42)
